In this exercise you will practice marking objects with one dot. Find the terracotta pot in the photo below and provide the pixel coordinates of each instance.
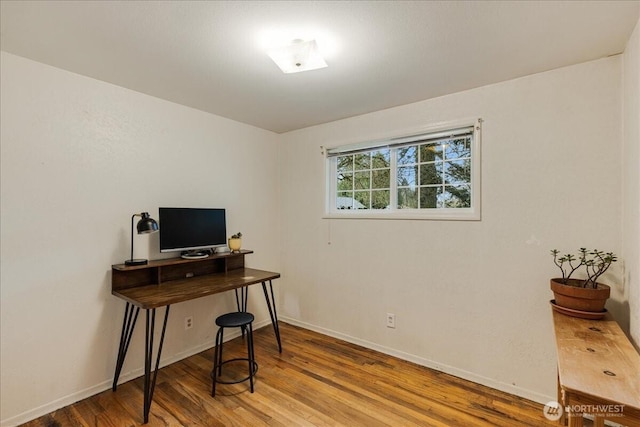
(579, 298)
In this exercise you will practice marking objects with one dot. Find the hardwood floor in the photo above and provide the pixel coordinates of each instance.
(316, 381)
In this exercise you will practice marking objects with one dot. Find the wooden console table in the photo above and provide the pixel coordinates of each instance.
(164, 282)
(598, 371)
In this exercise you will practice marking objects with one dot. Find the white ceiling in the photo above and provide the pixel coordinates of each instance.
(210, 55)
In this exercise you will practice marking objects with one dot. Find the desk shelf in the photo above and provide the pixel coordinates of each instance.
(161, 271)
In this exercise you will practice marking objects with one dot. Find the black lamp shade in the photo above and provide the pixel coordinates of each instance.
(146, 224)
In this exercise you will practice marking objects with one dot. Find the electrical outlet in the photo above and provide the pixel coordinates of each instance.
(188, 322)
(391, 320)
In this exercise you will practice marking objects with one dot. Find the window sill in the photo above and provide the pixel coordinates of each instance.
(430, 216)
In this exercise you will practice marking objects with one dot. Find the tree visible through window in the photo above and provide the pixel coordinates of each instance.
(427, 173)
(435, 175)
(364, 180)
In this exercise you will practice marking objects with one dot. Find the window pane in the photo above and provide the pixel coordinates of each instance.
(457, 171)
(362, 180)
(430, 152)
(363, 199)
(429, 197)
(380, 158)
(345, 181)
(381, 178)
(407, 198)
(362, 161)
(345, 200)
(380, 199)
(431, 173)
(457, 148)
(408, 155)
(407, 176)
(456, 196)
(345, 163)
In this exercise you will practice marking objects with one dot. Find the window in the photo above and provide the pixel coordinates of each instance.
(430, 175)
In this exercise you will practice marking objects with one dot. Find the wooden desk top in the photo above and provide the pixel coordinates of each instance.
(589, 351)
(175, 291)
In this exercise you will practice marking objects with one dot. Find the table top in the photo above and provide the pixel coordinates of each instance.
(175, 291)
(596, 358)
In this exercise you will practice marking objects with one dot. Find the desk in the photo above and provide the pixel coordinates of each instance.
(598, 371)
(164, 282)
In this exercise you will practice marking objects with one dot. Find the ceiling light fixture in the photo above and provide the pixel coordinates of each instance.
(298, 56)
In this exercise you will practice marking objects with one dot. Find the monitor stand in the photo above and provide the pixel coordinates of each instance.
(195, 254)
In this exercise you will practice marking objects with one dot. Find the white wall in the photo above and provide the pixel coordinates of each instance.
(79, 157)
(470, 298)
(631, 183)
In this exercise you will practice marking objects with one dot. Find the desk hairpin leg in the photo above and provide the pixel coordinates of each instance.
(128, 325)
(149, 384)
(241, 302)
(272, 311)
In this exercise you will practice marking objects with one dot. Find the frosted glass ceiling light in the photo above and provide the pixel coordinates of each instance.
(298, 56)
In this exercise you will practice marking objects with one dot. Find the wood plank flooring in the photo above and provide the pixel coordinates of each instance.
(316, 381)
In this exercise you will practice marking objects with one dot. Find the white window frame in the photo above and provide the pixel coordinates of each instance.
(407, 136)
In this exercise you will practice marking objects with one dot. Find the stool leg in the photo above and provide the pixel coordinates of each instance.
(219, 349)
(251, 354)
(217, 361)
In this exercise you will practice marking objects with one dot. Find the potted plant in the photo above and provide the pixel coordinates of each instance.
(235, 242)
(582, 295)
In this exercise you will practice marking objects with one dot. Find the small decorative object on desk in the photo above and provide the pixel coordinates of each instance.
(581, 297)
(235, 242)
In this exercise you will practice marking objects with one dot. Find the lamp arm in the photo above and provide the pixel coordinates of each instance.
(132, 216)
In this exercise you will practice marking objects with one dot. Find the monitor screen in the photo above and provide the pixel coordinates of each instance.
(188, 229)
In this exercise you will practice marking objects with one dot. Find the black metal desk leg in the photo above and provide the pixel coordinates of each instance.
(128, 325)
(149, 384)
(241, 299)
(241, 302)
(272, 312)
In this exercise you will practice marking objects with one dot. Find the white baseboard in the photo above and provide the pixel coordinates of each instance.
(461, 373)
(106, 385)
(138, 372)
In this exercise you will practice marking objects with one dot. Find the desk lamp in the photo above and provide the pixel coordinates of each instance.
(146, 225)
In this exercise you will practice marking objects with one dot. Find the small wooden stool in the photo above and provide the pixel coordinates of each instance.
(242, 320)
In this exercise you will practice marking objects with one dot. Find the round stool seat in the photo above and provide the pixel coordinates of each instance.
(234, 320)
